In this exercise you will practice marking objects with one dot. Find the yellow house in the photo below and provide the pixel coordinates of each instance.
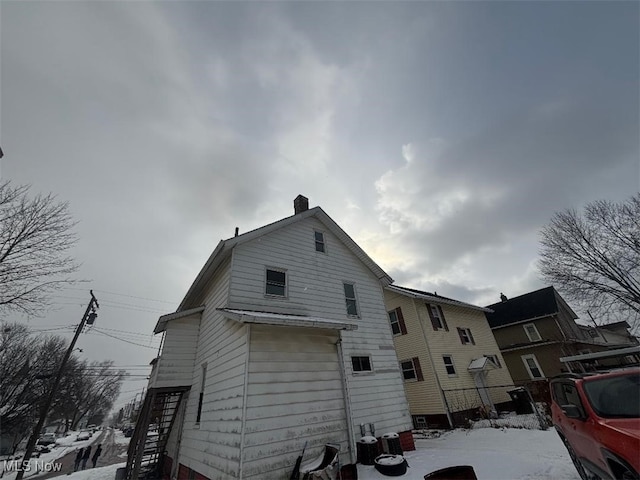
(452, 367)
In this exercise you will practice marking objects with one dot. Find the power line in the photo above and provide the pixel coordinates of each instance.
(129, 296)
(126, 341)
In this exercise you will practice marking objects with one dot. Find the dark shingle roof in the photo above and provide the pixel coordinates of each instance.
(530, 305)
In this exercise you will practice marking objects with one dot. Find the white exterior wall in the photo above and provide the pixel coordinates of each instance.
(294, 395)
(174, 367)
(212, 447)
(315, 287)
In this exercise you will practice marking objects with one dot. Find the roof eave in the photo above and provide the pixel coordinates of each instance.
(435, 299)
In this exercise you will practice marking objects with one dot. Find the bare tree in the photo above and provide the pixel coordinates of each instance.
(594, 258)
(36, 235)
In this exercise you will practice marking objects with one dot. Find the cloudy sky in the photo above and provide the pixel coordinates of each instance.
(440, 136)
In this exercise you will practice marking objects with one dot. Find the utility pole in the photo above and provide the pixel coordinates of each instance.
(88, 318)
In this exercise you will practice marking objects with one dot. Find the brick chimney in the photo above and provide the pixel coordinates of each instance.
(300, 204)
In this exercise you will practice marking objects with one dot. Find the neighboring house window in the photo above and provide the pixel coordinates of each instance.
(350, 299)
(593, 333)
(411, 369)
(201, 396)
(420, 421)
(396, 319)
(465, 336)
(448, 365)
(319, 236)
(437, 317)
(494, 359)
(276, 283)
(532, 332)
(361, 364)
(533, 367)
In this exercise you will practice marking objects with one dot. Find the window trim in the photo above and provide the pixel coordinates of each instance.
(362, 372)
(526, 365)
(355, 299)
(495, 359)
(453, 365)
(203, 380)
(442, 321)
(466, 337)
(402, 326)
(286, 282)
(416, 421)
(535, 329)
(317, 242)
(415, 368)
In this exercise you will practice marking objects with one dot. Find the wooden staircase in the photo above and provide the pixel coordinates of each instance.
(147, 448)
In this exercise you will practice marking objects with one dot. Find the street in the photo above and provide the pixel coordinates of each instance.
(112, 452)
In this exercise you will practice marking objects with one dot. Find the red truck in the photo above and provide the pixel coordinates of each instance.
(598, 419)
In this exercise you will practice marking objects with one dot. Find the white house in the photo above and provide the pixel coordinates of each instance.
(283, 339)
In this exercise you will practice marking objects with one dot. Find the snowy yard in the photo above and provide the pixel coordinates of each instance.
(495, 454)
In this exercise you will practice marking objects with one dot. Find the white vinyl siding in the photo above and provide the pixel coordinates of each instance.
(212, 448)
(295, 394)
(176, 362)
(315, 288)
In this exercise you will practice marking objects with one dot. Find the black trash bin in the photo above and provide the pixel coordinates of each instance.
(520, 400)
(459, 472)
(367, 450)
(391, 444)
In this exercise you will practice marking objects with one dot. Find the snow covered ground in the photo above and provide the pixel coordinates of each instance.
(103, 473)
(62, 447)
(494, 454)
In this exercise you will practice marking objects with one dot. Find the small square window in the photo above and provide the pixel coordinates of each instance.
(319, 237)
(495, 360)
(448, 365)
(276, 283)
(361, 364)
(350, 299)
(420, 421)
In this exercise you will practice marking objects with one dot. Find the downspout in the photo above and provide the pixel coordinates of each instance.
(433, 367)
(244, 401)
(347, 401)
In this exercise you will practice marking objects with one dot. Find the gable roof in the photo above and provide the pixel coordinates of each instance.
(432, 297)
(224, 248)
(530, 306)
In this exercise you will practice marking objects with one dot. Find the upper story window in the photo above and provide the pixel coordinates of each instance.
(396, 320)
(320, 246)
(532, 332)
(437, 317)
(350, 299)
(276, 282)
(465, 336)
(411, 369)
(448, 365)
(361, 364)
(495, 360)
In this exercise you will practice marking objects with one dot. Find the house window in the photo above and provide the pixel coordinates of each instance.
(437, 317)
(448, 365)
(420, 421)
(361, 364)
(396, 320)
(465, 336)
(494, 359)
(532, 332)
(276, 283)
(350, 299)
(593, 333)
(319, 237)
(201, 396)
(411, 369)
(533, 367)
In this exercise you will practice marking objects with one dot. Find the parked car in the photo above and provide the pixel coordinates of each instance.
(47, 439)
(598, 419)
(84, 435)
